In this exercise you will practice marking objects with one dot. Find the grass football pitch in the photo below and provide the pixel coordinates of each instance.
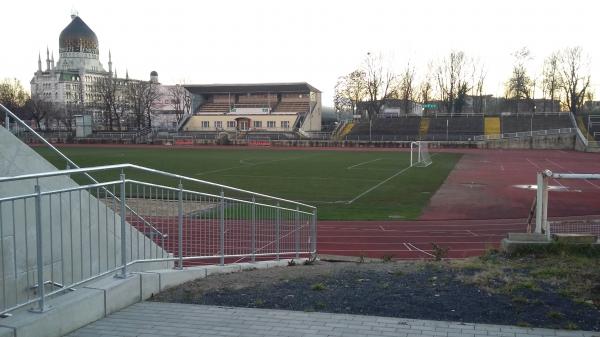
(344, 185)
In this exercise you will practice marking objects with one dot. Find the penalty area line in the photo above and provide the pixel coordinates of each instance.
(379, 184)
(363, 163)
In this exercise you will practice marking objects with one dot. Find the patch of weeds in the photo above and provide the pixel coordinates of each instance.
(571, 326)
(398, 273)
(385, 285)
(439, 252)
(526, 284)
(310, 261)
(523, 324)
(259, 302)
(318, 287)
(320, 305)
(361, 258)
(520, 299)
(387, 258)
(553, 314)
(550, 272)
(291, 263)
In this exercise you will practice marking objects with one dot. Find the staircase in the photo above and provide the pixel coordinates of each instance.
(345, 130)
(492, 126)
(423, 127)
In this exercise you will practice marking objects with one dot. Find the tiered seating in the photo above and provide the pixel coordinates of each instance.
(292, 107)
(214, 108)
(388, 129)
(523, 123)
(590, 125)
(455, 128)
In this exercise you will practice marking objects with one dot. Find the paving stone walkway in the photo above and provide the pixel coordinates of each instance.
(152, 319)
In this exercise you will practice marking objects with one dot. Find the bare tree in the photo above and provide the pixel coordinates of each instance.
(42, 111)
(406, 87)
(350, 90)
(142, 97)
(180, 98)
(519, 86)
(12, 95)
(451, 76)
(574, 77)
(479, 75)
(379, 83)
(426, 85)
(109, 91)
(551, 79)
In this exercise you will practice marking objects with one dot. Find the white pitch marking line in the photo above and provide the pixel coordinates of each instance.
(421, 250)
(363, 163)
(379, 184)
(569, 171)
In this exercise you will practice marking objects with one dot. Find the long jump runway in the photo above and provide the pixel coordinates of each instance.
(487, 195)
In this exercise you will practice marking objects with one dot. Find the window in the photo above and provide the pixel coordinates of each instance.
(258, 124)
(205, 124)
(231, 124)
(218, 124)
(271, 124)
(285, 124)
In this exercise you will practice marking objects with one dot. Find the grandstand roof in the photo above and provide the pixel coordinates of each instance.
(250, 87)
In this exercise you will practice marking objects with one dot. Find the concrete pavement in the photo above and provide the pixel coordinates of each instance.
(153, 319)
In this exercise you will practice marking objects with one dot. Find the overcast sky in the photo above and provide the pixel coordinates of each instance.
(314, 41)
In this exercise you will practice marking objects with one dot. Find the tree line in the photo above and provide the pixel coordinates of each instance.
(452, 79)
(119, 104)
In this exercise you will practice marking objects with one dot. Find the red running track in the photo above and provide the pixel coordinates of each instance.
(475, 208)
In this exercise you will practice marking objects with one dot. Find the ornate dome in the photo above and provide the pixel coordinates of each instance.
(78, 37)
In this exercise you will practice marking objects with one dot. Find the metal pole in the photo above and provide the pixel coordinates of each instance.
(297, 232)
(545, 224)
(39, 247)
(277, 235)
(222, 228)
(123, 225)
(314, 233)
(180, 228)
(7, 121)
(253, 229)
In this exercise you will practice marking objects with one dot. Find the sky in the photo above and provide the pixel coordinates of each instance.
(314, 41)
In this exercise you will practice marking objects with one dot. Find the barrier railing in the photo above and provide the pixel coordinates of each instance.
(524, 134)
(57, 235)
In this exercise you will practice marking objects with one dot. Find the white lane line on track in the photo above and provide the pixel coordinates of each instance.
(363, 163)
(569, 171)
(407, 247)
(539, 168)
(421, 250)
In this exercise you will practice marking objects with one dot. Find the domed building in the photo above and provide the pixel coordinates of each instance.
(73, 85)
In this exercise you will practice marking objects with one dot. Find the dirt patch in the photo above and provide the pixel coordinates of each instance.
(422, 290)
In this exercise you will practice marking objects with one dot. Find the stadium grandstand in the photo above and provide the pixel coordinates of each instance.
(458, 127)
(264, 109)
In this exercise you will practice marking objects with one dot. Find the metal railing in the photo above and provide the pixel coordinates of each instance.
(525, 134)
(61, 233)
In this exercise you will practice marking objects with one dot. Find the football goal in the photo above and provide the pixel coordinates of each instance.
(572, 226)
(419, 154)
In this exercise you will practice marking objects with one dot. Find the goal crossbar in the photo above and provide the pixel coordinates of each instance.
(541, 218)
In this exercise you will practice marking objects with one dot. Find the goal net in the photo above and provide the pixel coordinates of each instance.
(419, 154)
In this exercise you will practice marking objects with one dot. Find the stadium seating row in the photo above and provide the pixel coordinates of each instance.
(457, 128)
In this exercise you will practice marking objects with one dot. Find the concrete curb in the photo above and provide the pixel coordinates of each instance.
(92, 302)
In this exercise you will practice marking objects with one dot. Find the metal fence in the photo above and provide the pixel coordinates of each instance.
(60, 234)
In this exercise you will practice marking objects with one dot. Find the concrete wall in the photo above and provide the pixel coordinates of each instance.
(81, 234)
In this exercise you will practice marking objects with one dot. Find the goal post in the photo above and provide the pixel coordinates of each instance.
(419, 154)
(542, 225)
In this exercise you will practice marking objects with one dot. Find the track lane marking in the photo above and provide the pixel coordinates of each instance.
(569, 171)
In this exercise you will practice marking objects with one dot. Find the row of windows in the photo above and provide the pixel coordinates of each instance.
(256, 124)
